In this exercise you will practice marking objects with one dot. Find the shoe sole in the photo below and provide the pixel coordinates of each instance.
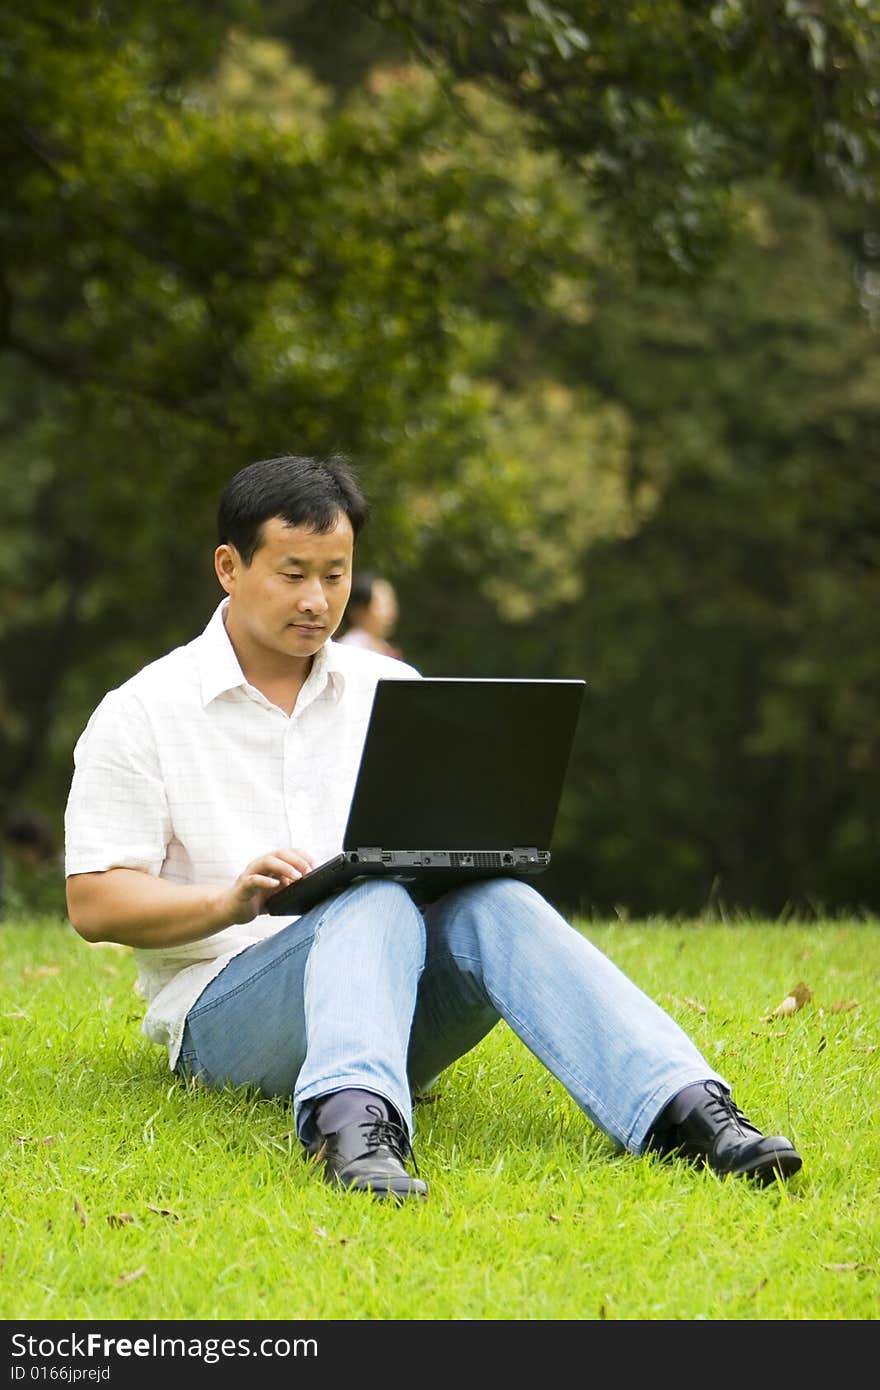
(391, 1194)
(782, 1163)
(385, 1192)
(407, 1187)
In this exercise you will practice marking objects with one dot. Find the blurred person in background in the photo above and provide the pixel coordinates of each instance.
(371, 614)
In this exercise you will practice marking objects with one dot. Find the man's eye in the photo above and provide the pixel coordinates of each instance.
(293, 576)
(335, 578)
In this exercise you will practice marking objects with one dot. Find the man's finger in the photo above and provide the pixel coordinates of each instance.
(270, 881)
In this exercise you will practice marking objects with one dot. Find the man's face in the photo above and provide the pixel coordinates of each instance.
(290, 599)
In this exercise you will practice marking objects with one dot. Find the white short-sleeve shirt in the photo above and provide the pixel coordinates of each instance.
(189, 772)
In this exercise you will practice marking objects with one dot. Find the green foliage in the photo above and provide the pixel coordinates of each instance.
(731, 645)
(662, 105)
(203, 277)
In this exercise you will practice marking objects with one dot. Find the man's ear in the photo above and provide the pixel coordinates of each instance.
(227, 563)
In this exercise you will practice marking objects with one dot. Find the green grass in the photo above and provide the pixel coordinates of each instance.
(126, 1196)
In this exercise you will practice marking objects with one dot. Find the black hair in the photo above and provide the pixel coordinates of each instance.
(301, 491)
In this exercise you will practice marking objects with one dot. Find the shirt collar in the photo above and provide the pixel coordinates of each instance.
(220, 672)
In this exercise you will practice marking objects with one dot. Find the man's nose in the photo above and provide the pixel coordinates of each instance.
(311, 597)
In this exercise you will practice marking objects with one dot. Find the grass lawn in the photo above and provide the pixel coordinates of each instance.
(126, 1196)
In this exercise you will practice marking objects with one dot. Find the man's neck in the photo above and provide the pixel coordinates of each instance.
(282, 688)
(280, 678)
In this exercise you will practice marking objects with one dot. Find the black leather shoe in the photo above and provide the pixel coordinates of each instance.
(369, 1156)
(716, 1134)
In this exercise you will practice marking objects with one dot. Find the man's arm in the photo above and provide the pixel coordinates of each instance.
(136, 908)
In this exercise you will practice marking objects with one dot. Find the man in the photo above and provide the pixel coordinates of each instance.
(223, 772)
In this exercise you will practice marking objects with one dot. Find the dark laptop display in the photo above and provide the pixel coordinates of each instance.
(459, 778)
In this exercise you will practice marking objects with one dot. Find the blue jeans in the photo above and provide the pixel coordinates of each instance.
(366, 990)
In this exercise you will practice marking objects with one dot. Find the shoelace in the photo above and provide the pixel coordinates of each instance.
(723, 1108)
(384, 1131)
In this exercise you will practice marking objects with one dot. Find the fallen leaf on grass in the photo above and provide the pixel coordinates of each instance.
(163, 1211)
(80, 1211)
(31, 1139)
(120, 1218)
(695, 1004)
(799, 996)
(691, 1003)
(553, 1217)
(842, 1006)
(852, 1267)
(38, 971)
(761, 1284)
(129, 1278)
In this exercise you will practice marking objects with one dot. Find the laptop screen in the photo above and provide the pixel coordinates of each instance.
(459, 763)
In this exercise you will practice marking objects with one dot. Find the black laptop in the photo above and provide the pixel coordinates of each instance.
(459, 779)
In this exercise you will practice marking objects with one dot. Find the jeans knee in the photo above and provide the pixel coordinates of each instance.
(479, 916)
(378, 904)
(384, 894)
(503, 895)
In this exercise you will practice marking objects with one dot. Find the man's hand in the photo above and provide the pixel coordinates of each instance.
(263, 877)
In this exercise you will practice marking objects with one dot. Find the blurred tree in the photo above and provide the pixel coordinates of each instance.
(732, 646)
(596, 445)
(663, 106)
(205, 264)
(337, 40)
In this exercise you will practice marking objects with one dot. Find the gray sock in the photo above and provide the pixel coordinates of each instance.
(340, 1108)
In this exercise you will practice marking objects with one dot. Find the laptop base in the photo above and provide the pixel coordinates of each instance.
(426, 873)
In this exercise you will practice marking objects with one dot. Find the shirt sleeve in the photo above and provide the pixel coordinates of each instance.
(117, 813)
